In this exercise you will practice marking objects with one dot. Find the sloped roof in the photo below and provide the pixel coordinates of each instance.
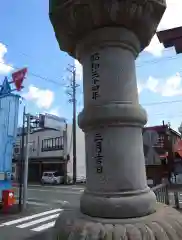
(171, 37)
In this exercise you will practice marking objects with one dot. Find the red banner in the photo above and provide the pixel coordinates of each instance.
(18, 78)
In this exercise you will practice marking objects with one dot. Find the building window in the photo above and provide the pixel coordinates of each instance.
(52, 144)
(16, 150)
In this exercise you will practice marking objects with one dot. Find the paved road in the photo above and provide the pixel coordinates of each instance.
(45, 203)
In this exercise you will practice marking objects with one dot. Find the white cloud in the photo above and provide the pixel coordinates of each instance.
(155, 48)
(79, 71)
(171, 18)
(171, 87)
(43, 98)
(55, 111)
(140, 87)
(4, 68)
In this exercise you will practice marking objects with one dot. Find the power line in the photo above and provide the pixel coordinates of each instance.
(166, 115)
(167, 58)
(140, 65)
(159, 103)
(34, 74)
(57, 83)
(156, 61)
(20, 52)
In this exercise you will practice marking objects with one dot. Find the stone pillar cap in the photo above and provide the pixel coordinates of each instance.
(72, 20)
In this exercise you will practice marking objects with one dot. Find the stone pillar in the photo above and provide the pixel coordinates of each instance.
(112, 120)
(106, 36)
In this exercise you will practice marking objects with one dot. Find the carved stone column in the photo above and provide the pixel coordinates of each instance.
(106, 37)
(112, 120)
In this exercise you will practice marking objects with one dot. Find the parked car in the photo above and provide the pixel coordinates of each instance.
(53, 177)
(81, 179)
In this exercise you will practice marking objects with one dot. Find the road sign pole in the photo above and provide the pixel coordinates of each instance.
(25, 180)
(21, 162)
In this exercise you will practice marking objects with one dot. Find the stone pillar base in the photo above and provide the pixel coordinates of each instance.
(164, 224)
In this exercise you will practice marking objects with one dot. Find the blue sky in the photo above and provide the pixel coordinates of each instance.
(27, 39)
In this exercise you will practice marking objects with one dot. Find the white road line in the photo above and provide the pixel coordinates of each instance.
(77, 188)
(62, 190)
(41, 190)
(61, 202)
(30, 202)
(43, 227)
(19, 220)
(37, 203)
(37, 221)
(36, 187)
(70, 192)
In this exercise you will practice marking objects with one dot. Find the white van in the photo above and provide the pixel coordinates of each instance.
(52, 178)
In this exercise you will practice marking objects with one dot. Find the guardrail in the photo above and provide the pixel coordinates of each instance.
(162, 194)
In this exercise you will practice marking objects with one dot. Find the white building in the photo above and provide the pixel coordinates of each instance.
(80, 148)
(49, 149)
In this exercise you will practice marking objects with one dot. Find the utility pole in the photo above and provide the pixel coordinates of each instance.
(74, 127)
(71, 91)
(21, 161)
(25, 180)
(65, 149)
(170, 153)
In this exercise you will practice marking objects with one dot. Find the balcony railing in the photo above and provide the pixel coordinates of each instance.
(162, 194)
(52, 148)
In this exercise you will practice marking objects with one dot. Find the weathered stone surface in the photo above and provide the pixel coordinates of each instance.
(73, 19)
(112, 122)
(164, 224)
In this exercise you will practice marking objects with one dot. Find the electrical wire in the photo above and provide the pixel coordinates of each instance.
(156, 61)
(167, 58)
(146, 62)
(61, 84)
(159, 103)
(140, 65)
(35, 75)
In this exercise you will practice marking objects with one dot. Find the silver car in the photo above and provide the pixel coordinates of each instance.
(53, 177)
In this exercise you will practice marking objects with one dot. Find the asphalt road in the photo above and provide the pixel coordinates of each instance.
(44, 205)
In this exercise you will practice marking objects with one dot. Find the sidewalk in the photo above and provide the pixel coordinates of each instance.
(77, 186)
(15, 184)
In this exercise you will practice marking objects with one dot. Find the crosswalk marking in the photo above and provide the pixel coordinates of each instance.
(38, 221)
(43, 227)
(24, 219)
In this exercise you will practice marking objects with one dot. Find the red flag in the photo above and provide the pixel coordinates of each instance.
(18, 78)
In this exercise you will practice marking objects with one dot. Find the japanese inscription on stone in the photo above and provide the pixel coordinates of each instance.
(95, 75)
(98, 152)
